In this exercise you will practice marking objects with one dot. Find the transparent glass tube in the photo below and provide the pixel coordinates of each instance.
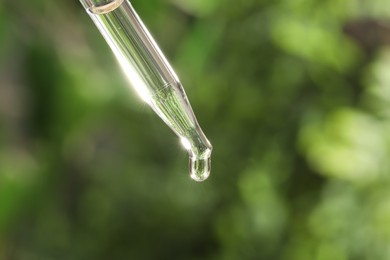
(151, 75)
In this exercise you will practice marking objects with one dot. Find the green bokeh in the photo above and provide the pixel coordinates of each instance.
(293, 94)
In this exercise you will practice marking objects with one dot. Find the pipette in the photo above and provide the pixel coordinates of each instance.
(152, 77)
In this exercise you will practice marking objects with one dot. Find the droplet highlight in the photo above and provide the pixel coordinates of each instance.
(200, 168)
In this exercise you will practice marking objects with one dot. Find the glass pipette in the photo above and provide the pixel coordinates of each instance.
(151, 75)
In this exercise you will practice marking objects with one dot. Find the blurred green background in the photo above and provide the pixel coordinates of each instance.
(293, 94)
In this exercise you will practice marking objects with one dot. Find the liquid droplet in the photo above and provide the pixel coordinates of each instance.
(200, 168)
